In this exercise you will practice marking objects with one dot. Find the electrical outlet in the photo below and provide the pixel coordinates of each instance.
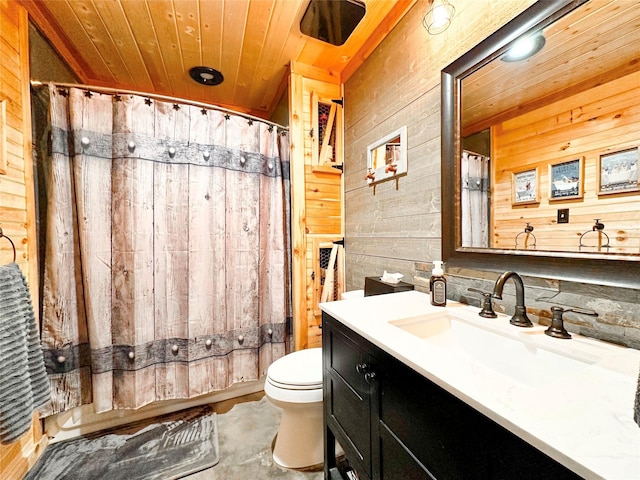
(563, 215)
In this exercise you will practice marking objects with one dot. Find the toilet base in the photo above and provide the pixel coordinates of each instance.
(299, 443)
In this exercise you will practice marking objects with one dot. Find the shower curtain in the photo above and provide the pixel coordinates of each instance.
(474, 173)
(167, 263)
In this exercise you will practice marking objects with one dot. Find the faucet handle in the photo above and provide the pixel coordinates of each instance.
(556, 329)
(487, 305)
(583, 311)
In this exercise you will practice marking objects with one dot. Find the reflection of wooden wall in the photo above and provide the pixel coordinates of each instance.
(604, 119)
(17, 217)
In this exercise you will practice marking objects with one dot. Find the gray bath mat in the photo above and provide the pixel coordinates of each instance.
(168, 447)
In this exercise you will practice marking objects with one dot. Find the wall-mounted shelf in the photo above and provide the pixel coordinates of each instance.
(326, 169)
(387, 158)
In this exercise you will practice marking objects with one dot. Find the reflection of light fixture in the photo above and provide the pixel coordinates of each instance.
(206, 76)
(524, 48)
(438, 17)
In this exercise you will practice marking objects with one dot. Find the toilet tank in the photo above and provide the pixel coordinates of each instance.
(375, 286)
(352, 294)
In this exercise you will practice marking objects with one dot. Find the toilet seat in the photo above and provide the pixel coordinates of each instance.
(301, 370)
(286, 386)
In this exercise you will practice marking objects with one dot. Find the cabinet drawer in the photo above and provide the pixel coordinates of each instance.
(344, 358)
(350, 413)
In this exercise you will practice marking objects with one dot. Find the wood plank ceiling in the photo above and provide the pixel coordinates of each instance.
(590, 46)
(150, 45)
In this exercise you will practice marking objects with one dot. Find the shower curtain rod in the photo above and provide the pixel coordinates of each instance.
(166, 98)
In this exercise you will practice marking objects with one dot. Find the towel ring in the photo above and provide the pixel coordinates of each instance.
(527, 233)
(598, 227)
(11, 242)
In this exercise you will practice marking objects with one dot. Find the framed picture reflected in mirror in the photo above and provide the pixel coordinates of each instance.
(566, 180)
(525, 187)
(618, 172)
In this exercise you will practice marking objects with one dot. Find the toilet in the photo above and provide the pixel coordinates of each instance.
(352, 295)
(294, 383)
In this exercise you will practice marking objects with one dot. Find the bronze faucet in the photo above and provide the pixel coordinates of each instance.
(519, 318)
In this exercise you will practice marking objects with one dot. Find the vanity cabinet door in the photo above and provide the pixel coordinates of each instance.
(348, 377)
(423, 432)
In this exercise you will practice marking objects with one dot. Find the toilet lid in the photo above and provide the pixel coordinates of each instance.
(298, 369)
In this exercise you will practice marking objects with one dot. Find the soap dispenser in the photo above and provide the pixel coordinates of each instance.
(438, 285)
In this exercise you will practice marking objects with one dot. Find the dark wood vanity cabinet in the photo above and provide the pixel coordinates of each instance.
(395, 424)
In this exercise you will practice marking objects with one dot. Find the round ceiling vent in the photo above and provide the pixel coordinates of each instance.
(206, 75)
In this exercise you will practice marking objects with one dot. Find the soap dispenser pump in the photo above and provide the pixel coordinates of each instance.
(438, 285)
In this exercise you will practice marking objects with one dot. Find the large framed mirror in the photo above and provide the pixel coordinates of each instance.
(559, 121)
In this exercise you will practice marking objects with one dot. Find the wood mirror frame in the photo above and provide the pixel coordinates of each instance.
(593, 268)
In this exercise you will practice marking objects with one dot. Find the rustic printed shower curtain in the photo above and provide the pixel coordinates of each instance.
(167, 269)
(474, 198)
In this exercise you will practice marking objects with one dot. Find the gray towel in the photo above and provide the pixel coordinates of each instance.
(24, 386)
(636, 406)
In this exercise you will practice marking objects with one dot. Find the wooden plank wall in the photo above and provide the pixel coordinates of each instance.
(17, 211)
(324, 219)
(316, 192)
(395, 224)
(602, 120)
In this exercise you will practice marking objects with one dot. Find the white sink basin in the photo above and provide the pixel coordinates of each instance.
(527, 357)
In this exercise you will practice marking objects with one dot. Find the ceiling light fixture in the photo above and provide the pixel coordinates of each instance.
(524, 48)
(206, 76)
(438, 17)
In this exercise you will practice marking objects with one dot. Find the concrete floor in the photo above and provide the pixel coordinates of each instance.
(246, 429)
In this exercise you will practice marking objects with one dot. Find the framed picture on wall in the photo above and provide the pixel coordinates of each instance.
(566, 179)
(618, 172)
(524, 187)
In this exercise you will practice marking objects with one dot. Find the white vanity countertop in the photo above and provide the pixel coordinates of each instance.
(584, 420)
